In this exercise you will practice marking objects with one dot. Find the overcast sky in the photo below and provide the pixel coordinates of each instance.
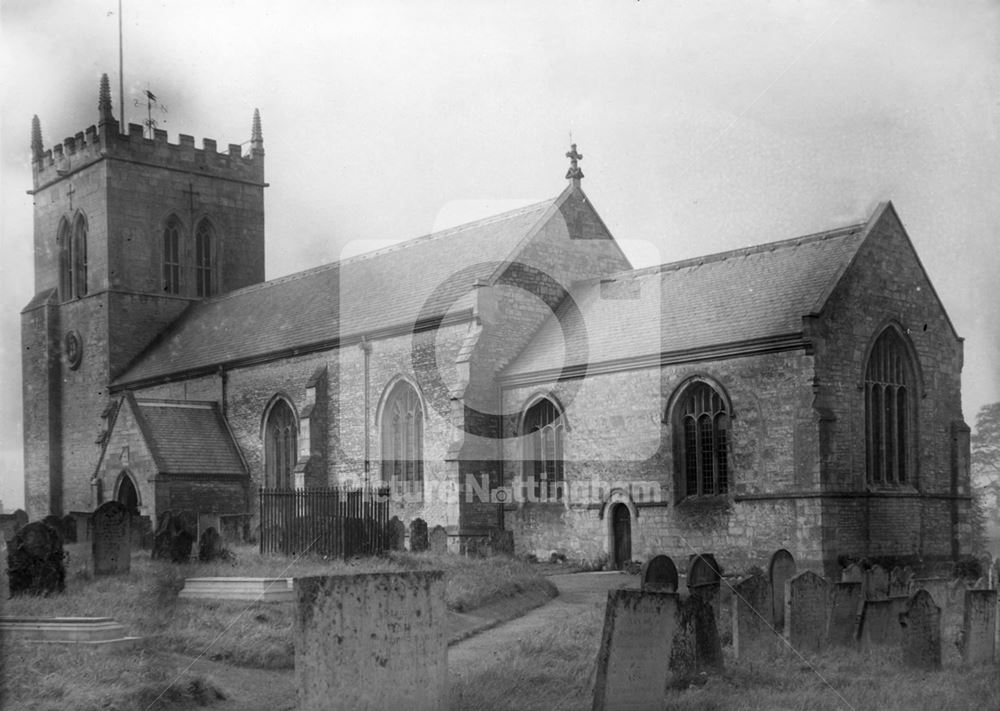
(705, 126)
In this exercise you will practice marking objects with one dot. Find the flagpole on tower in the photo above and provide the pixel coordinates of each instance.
(121, 70)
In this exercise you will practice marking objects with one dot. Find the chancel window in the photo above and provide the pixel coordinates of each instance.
(280, 447)
(172, 257)
(543, 470)
(701, 432)
(403, 440)
(204, 259)
(889, 411)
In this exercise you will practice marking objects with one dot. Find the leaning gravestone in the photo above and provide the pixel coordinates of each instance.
(781, 568)
(111, 544)
(805, 612)
(397, 534)
(978, 640)
(35, 561)
(636, 646)
(921, 632)
(845, 611)
(418, 535)
(880, 622)
(697, 647)
(752, 630)
(659, 574)
(174, 537)
(438, 540)
(390, 649)
(210, 545)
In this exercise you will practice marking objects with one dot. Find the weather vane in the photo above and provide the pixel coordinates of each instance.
(150, 123)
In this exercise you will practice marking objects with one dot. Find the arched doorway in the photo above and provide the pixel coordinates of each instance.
(127, 494)
(621, 536)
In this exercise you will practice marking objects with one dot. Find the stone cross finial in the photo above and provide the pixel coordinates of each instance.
(574, 172)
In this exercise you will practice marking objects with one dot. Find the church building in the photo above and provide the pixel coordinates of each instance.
(511, 373)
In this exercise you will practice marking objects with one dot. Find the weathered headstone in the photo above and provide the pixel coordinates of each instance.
(69, 528)
(921, 632)
(438, 539)
(636, 644)
(56, 524)
(805, 612)
(174, 537)
(844, 616)
(753, 632)
(899, 585)
(111, 544)
(697, 647)
(210, 545)
(880, 622)
(35, 561)
(390, 649)
(780, 569)
(20, 518)
(878, 583)
(852, 574)
(704, 579)
(418, 535)
(397, 534)
(659, 574)
(979, 638)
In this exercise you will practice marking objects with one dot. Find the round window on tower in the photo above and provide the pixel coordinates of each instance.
(73, 347)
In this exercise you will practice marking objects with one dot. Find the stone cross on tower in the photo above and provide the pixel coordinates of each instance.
(574, 172)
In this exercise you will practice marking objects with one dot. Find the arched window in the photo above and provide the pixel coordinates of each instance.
(172, 256)
(65, 242)
(701, 434)
(280, 446)
(80, 257)
(544, 475)
(889, 405)
(403, 439)
(204, 259)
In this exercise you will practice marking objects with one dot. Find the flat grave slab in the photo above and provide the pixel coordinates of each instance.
(250, 589)
(91, 631)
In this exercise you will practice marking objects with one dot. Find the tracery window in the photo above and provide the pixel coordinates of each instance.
(889, 413)
(172, 257)
(543, 469)
(403, 439)
(280, 446)
(72, 243)
(701, 431)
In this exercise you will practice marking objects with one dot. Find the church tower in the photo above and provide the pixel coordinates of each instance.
(128, 231)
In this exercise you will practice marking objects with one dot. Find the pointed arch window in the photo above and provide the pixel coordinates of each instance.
(72, 242)
(543, 469)
(701, 436)
(65, 242)
(280, 446)
(204, 259)
(172, 256)
(403, 439)
(80, 257)
(889, 411)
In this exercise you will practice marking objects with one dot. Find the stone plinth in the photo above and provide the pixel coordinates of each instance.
(253, 589)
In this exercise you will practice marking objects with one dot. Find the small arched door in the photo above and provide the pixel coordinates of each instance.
(127, 494)
(621, 536)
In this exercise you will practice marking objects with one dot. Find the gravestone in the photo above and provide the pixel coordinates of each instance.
(877, 587)
(69, 528)
(636, 645)
(753, 632)
(56, 524)
(843, 621)
(659, 574)
(780, 569)
(20, 519)
(390, 650)
(210, 545)
(418, 535)
(880, 622)
(921, 632)
(8, 526)
(697, 647)
(979, 623)
(852, 574)
(501, 542)
(35, 561)
(805, 612)
(704, 579)
(111, 544)
(174, 537)
(438, 540)
(899, 584)
(397, 534)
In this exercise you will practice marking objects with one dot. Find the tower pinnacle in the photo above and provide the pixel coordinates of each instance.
(256, 137)
(37, 149)
(104, 100)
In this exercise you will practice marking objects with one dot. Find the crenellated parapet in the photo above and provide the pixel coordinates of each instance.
(106, 141)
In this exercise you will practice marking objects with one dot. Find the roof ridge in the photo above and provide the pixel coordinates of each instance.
(738, 252)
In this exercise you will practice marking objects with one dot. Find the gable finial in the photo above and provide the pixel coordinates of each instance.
(104, 100)
(37, 149)
(575, 172)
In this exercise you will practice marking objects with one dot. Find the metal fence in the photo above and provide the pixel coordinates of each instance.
(335, 522)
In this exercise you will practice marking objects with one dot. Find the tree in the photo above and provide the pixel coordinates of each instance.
(985, 464)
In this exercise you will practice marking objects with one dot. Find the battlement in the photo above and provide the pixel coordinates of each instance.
(105, 140)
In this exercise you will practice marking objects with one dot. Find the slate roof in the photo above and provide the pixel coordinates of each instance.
(346, 298)
(743, 295)
(188, 437)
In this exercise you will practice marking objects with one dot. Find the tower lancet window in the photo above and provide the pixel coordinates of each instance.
(172, 257)
(204, 255)
(73, 259)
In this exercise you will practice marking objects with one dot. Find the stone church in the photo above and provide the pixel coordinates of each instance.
(515, 372)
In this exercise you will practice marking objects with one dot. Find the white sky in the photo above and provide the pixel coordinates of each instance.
(705, 126)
